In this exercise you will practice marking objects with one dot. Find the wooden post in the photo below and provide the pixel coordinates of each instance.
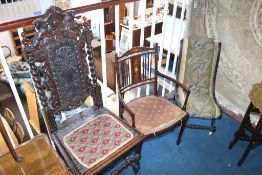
(8, 141)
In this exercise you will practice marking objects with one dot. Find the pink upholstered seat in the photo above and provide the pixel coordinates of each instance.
(152, 114)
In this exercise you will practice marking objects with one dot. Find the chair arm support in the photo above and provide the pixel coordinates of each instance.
(126, 108)
(178, 83)
(185, 102)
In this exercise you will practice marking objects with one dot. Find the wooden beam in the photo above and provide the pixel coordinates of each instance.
(28, 21)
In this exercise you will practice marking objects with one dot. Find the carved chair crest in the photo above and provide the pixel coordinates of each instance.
(57, 57)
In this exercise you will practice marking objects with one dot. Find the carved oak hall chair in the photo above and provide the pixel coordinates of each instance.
(92, 139)
(152, 115)
(199, 58)
(247, 131)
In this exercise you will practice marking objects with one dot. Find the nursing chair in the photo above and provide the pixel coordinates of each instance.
(247, 131)
(151, 115)
(198, 63)
(64, 75)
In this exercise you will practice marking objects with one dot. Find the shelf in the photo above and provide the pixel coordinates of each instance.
(17, 44)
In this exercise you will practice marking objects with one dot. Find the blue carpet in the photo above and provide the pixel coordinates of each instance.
(198, 153)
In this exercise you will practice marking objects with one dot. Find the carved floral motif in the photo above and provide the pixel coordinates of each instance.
(57, 57)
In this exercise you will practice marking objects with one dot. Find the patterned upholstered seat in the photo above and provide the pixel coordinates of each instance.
(154, 113)
(96, 139)
(151, 115)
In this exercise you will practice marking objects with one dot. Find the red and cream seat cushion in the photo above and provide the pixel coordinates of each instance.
(95, 140)
(152, 114)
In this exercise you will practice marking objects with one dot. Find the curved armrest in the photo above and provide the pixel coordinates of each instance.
(126, 108)
(178, 83)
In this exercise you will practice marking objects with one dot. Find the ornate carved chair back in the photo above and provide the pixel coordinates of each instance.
(57, 57)
(199, 58)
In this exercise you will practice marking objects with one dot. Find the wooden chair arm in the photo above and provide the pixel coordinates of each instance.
(185, 102)
(126, 108)
(178, 83)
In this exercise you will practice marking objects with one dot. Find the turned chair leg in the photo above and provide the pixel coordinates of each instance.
(136, 164)
(182, 128)
(133, 160)
(212, 127)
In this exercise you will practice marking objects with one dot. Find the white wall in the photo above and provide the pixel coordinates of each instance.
(5, 39)
(45, 4)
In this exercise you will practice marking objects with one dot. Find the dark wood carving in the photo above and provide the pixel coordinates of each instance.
(57, 57)
(133, 160)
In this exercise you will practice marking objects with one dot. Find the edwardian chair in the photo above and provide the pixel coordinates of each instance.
(94, 138)
(33, 157)
(152, 115)
(247, 131)
(198, 63)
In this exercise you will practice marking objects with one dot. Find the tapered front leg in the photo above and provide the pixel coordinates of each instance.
(182, 128)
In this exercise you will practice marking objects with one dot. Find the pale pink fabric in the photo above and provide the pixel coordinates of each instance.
(152, 114)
